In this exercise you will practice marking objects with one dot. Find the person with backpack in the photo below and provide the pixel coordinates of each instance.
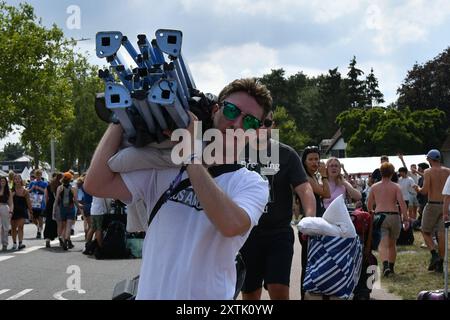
(67, 198)
(99, 207)
(190, 248)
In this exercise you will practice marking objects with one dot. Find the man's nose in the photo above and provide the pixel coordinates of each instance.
(238, 122)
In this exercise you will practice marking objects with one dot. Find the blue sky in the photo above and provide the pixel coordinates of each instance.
(228, 39)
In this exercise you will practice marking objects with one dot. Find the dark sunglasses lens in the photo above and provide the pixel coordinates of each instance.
(251, 122)
(230, 111)
(268, 123)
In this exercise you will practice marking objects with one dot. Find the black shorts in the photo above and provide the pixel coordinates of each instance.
(38, 213)
(268, 259)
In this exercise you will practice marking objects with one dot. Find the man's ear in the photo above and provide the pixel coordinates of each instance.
(214, 109)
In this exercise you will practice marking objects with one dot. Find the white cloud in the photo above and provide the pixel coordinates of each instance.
(325, 11)
(213, 70)
(405, 23)
(13, 137)
(390, 77)
(321, 11)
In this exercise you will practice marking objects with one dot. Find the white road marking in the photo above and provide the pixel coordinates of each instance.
(20, 294)
(59, 295)
(78, 235)
(29, 249)
(3, 258)
(4, 290)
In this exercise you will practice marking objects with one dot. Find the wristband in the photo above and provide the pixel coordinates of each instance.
(190, 159)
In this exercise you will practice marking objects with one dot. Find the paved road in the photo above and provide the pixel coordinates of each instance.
(43, 273)
(37, 272)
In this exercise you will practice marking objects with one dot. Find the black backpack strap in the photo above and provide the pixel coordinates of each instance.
(213, 171)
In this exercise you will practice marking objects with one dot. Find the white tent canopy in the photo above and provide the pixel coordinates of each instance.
(366, 165)
(26, 174)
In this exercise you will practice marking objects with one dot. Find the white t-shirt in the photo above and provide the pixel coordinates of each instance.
(406, 185)
(446, 190)
(415, 178)
(99, 206)
(185, 257)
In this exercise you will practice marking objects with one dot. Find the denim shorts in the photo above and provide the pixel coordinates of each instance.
(67, 213)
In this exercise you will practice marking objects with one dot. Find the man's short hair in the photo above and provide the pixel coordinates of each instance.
(423, 165)
(384, 158)
(403, 169)
(387, 170)
(251, 86)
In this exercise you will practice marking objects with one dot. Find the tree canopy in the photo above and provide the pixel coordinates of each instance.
(427, 86)
(391, 131)
(47, 89)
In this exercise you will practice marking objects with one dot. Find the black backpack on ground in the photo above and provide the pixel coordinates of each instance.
(114, 245)
(406, 237)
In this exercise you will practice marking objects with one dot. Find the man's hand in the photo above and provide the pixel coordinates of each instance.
(322, 169)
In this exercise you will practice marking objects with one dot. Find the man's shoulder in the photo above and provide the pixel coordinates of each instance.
(285, 147)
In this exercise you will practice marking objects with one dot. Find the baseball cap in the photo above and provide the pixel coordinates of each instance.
(434, 154)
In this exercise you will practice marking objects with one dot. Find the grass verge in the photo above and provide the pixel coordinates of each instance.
(411, 274)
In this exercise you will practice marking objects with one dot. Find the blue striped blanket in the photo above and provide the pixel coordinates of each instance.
(334, 266)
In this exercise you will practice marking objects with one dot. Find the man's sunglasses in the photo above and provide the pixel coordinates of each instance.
(231, 112)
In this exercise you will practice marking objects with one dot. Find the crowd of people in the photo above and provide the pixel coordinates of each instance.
(241, 211)
(200, 229)
(52, 206)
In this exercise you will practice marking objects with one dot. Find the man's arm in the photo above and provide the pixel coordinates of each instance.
(426, 183)
(353, 192)
(370, 201)
(403, 161)
(403, 208)
(307, 199)
(227, 216)
(100, 181)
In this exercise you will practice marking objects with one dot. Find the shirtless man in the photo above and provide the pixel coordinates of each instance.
(385, 195)
(434, 181)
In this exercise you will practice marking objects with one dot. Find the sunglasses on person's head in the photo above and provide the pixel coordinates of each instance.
(312, 149)
(231, 112)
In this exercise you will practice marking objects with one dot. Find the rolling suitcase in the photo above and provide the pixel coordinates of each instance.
(439, 294)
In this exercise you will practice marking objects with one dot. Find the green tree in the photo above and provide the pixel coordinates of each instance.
(356, 87)
(81, 134)
(382, 131)
(12, 151)
(373, 94)
(289, 133)
(332, 101)
(33, 86)
(427, 86)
